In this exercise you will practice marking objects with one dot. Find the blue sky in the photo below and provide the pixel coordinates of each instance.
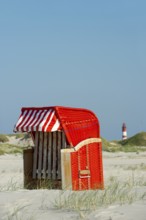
(89, 54)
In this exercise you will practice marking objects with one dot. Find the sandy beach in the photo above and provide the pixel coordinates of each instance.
(18, 203)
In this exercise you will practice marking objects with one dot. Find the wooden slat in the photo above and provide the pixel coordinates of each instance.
(45, 155)
(84, 172)
(54, 156)
(64, 145)
(59, 155)
(40, 155)
(35, 155)
(49, 155)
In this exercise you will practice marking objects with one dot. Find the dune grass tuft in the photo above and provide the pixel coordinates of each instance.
(136, 140)
(6, 148)
(115, 192)
(3, 138)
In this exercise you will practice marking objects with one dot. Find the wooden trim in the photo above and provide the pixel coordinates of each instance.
(66, 169)
(82, 143)
(85, 142)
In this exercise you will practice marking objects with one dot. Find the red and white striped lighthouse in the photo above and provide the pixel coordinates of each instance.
(124, 132)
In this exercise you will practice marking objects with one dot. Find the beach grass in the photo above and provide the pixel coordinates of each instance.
(15, 213)
(137, 140)
(115, 192)
(136, 143)
(6, 148)
(12, 185)
(3, 138)
(126, 149)
(122, 146)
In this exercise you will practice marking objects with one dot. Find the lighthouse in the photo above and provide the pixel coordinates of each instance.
(124, 132)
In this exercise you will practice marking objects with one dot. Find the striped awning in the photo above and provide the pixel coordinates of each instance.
(37, 119)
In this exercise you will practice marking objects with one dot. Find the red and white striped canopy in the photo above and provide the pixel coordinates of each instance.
(37, 119)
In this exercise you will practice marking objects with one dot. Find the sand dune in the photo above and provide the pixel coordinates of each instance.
(18, 203)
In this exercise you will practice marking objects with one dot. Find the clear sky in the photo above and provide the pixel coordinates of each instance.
(89, 54)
